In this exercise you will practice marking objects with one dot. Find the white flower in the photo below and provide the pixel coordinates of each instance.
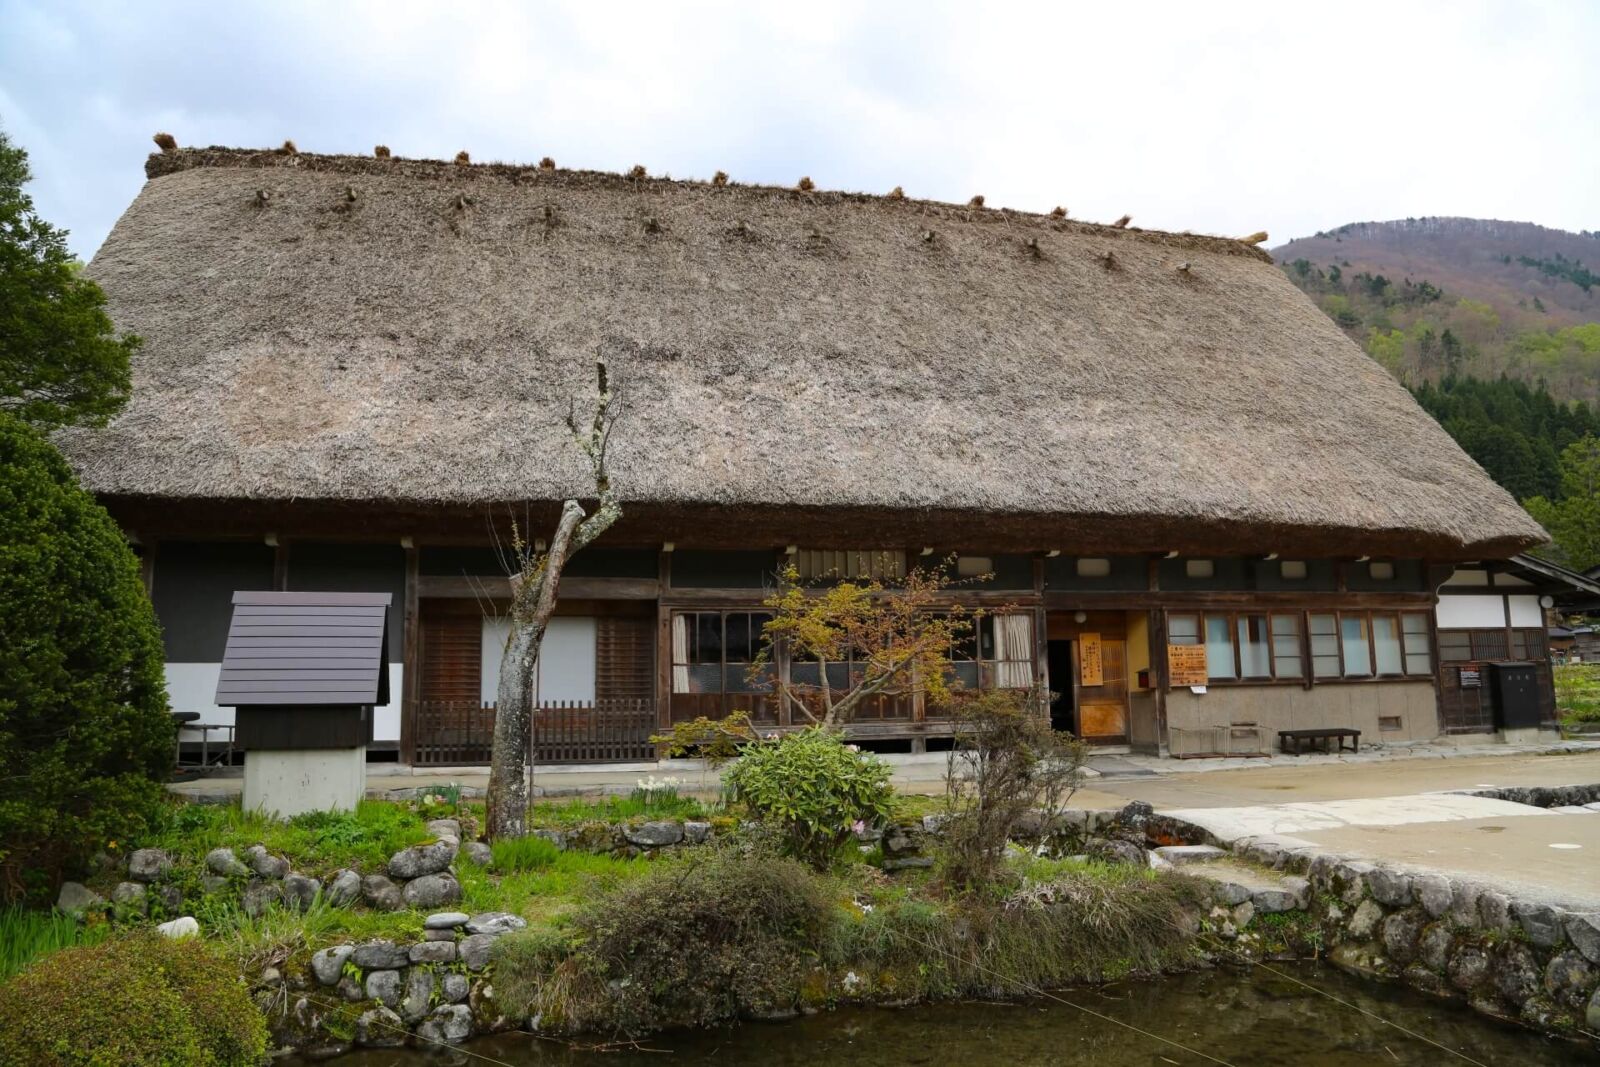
(851, 980)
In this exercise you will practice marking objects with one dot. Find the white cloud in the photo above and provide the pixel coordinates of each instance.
(1218, 118)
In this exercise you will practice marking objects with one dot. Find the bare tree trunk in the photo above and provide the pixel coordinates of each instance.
(534, 591)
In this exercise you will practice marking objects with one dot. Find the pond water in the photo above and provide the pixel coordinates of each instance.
(1241, 1018)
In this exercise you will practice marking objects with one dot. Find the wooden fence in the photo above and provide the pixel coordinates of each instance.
(460, 733)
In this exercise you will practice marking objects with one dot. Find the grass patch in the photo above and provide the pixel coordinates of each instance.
(524, 854)
(638, 806)
(26, 936)
(317, 843)
(279, 933)
(1578, 692)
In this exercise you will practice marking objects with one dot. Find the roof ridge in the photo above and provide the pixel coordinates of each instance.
(177, 160)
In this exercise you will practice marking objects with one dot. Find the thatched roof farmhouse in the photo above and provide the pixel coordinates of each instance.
(344, 351)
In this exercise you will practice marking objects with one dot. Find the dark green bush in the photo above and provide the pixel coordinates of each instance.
(700, 939)
(136, 1000)
(85, 738)
(814, 789)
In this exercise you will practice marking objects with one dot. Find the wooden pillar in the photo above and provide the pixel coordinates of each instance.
(410, 665)
(147, 566)
(663, 643)
(1160, 678)
(1041, 641)
(280, 562)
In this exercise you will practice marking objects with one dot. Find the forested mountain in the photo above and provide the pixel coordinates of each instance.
(1435, 297)
(1495, 328)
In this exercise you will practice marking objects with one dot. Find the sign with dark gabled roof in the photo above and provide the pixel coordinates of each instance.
(306, 649)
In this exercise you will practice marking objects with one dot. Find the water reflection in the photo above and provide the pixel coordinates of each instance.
(1244, 1018)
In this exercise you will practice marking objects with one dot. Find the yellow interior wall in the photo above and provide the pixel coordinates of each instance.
(1138, 646)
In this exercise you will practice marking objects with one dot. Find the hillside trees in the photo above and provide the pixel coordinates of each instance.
(1574, 519)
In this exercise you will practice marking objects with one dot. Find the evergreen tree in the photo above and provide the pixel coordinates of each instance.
(61, 360)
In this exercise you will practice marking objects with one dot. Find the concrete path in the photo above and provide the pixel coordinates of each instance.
(1229, 825)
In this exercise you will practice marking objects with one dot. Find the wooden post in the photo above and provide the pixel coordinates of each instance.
(663, 643)
(280, 564)
(410, 666)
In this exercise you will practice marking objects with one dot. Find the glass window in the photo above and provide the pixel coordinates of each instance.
(1386, 644)
(1292, 569)
(1324, 631)
(1381, 571)
(1255, 656)
(1199, 568)
(1353, 643)
(1414, 631)
(1183, 630)
(1286, 646)
(1089, 567)
(1219, 647)
(1455, 646)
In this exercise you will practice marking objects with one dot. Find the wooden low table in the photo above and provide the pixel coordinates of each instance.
(1321, 733)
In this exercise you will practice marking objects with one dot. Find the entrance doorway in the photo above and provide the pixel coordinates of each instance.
(1092, 700)
(1059, 661)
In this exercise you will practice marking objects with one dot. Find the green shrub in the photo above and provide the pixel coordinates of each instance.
(523, 854)
(137, 1000)
(813, 788)
(698, 939)
(85, 739)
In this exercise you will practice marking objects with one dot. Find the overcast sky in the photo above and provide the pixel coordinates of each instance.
(1217, 117)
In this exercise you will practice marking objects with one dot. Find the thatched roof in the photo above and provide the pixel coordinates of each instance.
(361, 330)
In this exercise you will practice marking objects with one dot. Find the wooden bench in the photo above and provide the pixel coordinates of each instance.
(1321, 733)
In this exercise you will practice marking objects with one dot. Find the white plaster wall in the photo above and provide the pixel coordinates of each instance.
(1468, 578)
(1525, 611)
(193, 687)
(1472, 611)
(566, 659)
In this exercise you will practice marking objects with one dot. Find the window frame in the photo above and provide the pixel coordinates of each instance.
(1195, 632)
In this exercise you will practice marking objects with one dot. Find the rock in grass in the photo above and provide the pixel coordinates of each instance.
(260, 893)
(264, 863)
(381, 893)
(449, 1023)
(148, 864)
(300, 891)
(225, 864)
(433, 952)
(445, 920)
(380, 1028)
(418, 995)
(380, 956)
(474, 951)
(495, 922)
(327, 965)
(696, 833)
(180, 928)
(479, 853)
(1272, 901)
(384, 987)
(1230, 893)
(442, 828)
(655, 834)
(454, 988)
(418, 860)
(343, 889)
(130, 895)
(432, 891)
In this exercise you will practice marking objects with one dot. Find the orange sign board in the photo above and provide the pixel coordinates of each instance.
(1091, 665)
(1186, 665)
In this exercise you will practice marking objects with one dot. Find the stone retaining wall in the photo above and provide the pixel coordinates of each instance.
(1505, 955)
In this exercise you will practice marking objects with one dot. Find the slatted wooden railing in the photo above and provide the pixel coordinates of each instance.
(459, 733)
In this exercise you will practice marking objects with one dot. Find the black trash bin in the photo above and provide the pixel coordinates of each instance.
(1516, 695)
